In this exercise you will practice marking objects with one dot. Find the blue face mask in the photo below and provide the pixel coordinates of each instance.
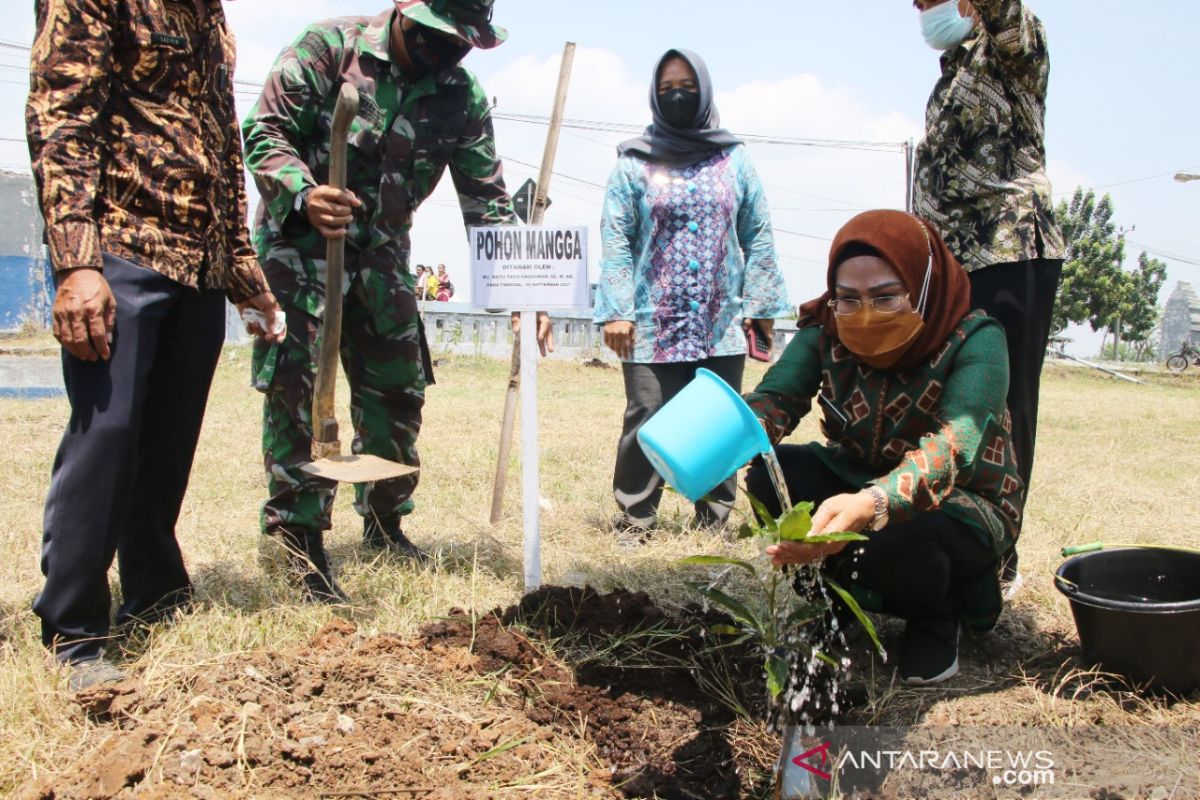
(943, 27)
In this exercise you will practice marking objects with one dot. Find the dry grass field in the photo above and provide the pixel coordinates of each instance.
(1115, 461)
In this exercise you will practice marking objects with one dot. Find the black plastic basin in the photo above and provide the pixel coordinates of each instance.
(1137, 611)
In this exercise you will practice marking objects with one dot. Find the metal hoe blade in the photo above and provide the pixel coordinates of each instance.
(357, 469)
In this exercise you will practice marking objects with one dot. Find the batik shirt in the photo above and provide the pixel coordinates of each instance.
(688, 253)
(134, 140)
(981, 169)
(407, 132)
(934, 437)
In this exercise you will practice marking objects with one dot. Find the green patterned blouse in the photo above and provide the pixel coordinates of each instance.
(934, 437)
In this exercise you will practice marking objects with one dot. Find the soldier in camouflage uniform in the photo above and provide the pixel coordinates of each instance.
(420, 113)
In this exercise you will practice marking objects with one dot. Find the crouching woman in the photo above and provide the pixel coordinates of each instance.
(912, 386)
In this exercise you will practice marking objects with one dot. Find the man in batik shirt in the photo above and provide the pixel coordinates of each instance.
(420, 113)
(981, 179)
(135, 148)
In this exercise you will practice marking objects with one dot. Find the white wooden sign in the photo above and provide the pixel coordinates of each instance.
(529, 267)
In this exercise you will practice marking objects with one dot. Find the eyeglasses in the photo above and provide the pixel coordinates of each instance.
(885, 304)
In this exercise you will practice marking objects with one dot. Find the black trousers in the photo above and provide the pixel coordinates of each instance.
(637, 487)
(923, 568)
(1021, 295)
(122, 468)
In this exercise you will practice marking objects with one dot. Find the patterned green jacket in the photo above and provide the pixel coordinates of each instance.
(406, 134)
(981, 169)
(933, 437)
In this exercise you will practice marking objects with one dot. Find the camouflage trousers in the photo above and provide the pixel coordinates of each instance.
(385, 361)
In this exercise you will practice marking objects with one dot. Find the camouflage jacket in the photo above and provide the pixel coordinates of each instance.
(134, 140)
(981, 169)
(405, 135)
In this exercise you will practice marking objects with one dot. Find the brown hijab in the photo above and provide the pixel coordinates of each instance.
(905, 242)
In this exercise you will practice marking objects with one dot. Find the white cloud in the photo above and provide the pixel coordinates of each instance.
(1064, 178)
(812, 190)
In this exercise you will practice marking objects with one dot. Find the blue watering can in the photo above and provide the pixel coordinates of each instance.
(702, 435)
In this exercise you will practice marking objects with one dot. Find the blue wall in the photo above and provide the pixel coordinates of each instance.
(23, 295)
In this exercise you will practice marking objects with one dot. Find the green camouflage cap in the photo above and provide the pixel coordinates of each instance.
(469, 20)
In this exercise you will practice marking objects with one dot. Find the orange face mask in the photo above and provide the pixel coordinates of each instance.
(878, 339)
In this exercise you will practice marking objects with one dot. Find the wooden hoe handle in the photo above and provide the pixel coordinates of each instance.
(325, 427)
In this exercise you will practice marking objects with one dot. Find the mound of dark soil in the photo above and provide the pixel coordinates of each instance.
(353, 716)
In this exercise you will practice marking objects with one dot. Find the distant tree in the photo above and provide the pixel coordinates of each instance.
(1095, 288)
(1138, 313)
(1092, 268)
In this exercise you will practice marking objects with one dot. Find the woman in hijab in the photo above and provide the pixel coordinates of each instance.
(688, 270)
(918, 455)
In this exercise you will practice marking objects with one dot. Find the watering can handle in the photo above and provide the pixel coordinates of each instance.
(1075, 550)
(325, 428)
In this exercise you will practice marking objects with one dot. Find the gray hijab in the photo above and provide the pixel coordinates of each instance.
(665, 144)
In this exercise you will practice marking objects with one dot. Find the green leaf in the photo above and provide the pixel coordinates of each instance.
(827, 659)
(839, 536)
(735, 607)
(748, 530)
(802, 616)
(709, 561)
(858, 612)
(795, 524)
(502, 748)
(725, 630)
(766, 520)
(777, 675)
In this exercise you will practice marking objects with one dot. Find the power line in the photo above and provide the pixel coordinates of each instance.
(1169, 256)
(555, 172)
(804, 235)
(1142, 179)
(625, 127)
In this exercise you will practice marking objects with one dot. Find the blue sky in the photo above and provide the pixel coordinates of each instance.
(1123, 104)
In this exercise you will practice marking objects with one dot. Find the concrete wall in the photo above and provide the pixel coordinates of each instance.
(460, 329)
(24, 265)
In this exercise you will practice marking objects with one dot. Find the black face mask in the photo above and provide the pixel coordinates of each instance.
(679, 107)
(431, 53)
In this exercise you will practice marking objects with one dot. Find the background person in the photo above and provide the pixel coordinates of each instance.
(689, 259)
(912, 386)
(431, 284)
(981, 180)
(146, 243)
(445, 288)
(421, 113)
(419, 281)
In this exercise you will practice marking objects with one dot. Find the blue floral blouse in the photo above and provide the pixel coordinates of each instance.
(688, 253)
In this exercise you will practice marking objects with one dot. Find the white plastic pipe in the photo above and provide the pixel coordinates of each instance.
(529, 452)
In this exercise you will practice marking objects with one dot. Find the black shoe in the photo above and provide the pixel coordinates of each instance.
(707, 523)
(168, 609)
(307, 558)
(386, 535)
(929, 651)
(93, 672)
(632, 532)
